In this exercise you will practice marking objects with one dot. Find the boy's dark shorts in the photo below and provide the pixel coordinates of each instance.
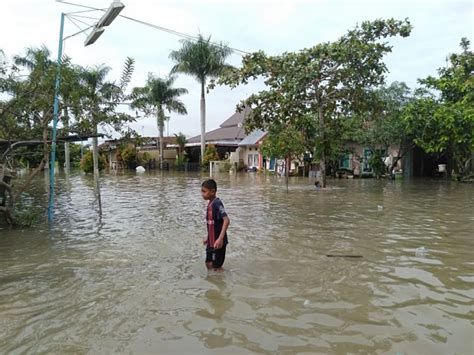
(217, 256)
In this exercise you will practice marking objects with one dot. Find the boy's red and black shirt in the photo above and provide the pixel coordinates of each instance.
(215, 219)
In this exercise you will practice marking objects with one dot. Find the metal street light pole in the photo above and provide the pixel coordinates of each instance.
(107, 18)
(55, 120)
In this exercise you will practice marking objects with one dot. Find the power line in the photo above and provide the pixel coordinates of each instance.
(78, 20)
(70, 18)
(78, 5)
(180, 34)
(160, 28)
(87, 17)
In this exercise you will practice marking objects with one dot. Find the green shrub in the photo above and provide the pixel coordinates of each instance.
(209, 155)
(181, 159)
(377, 164)
(129, 156)
(144, 158)
(87, 163)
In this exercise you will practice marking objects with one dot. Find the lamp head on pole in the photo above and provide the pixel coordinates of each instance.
(93, 36)
(107, 18)
(112, 12)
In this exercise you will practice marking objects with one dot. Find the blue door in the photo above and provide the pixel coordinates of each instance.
(366, 168)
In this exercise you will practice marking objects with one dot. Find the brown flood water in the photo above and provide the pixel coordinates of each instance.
(135, 281)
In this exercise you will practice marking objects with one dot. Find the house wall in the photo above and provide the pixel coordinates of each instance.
(357, 159)
(251, 156)
(168, 155)
(237, 156)
(154, 153)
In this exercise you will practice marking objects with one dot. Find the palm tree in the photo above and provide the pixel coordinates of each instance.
(203, 60)
(181, 141)
(99, 100)
(157, 96)
(36, 93)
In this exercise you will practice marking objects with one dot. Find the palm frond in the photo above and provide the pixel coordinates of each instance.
(158, 93)
(176, 106)
(128, 68)
(201, 58)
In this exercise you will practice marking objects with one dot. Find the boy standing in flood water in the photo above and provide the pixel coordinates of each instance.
(217, 224)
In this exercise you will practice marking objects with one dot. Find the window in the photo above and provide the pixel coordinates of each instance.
(252, 160)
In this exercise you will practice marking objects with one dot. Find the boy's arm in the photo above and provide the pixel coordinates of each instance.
(220, 241)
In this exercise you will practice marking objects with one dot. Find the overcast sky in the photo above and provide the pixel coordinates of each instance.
(270, 25)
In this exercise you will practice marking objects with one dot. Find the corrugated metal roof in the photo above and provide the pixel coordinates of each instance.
(253, 138)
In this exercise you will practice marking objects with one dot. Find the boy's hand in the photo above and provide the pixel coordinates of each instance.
(218, 243)
(204, 241)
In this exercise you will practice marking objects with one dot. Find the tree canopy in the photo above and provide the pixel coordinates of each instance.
(441, 118)
(326, 81)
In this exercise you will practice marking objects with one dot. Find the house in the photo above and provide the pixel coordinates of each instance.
(226, 138)
(356, 159)
(248, 151)
(232, 142)
(150, 145)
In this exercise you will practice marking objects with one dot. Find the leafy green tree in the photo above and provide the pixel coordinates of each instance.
(181, 141)
(11, 127)
(74, 152)
(325, 81)
(210, 155)
(129, 154)
(99, 101)
(87, 164)
(27, 110)
(70, 100)
(284, 142)
(381, 125)
(157, 96)
(202, 60)
(32, 98)
(441, 119)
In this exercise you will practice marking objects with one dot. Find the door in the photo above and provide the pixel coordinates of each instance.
(366, 168)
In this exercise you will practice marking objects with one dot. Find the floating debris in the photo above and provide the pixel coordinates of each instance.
(421, 252)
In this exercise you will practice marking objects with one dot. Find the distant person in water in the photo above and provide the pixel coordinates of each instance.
(317, 185)
(217, 224)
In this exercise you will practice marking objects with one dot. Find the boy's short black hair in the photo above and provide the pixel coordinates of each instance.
(210, 184)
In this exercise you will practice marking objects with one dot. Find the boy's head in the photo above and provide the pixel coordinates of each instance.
(208, 189)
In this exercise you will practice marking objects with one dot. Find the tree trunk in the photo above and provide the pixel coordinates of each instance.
(67, 157)
(203, 120)
(287, 173)
(95, 154)
(8, 216)
(161, 124)
(323, 145)
(95, 159)
(450, 162)
(15, 194)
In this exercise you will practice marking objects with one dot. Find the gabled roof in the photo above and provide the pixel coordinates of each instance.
(236, 119)
(231, 129)
(253, 138)
(224, 133)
